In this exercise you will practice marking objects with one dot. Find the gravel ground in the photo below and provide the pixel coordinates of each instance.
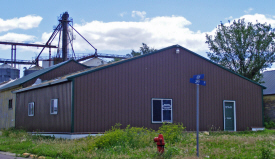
(8, 155)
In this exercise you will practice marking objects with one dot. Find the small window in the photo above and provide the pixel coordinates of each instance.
(54, 106)
(10, 104)
(161, 110)
(31, 109)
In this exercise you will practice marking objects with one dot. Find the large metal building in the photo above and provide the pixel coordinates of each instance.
(142, 91)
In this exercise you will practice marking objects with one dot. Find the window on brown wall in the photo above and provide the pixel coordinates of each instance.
(54, 106)
(10, 103)
(162, 110)
(31, 109)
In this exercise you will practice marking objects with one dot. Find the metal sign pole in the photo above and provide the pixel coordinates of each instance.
(197, 80)
(198, 120)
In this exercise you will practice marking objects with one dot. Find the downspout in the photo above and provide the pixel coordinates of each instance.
(72, 107)
(263, 105)
(15, 111)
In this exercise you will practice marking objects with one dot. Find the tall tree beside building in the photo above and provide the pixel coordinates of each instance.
(144, 49)
(244, 48)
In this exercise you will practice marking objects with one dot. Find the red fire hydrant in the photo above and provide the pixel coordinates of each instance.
(160, 143)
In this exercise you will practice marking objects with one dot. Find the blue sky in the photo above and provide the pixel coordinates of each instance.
(117, 26)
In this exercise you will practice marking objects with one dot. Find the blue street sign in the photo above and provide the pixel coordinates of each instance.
(201, 76)
(197, 81)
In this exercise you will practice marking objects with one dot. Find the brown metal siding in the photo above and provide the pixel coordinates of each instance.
(123, 93)
(65, 69)
(42, 119)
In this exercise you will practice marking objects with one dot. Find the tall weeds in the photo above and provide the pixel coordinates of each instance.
(128, 138)
(137, 142)
(173, 132)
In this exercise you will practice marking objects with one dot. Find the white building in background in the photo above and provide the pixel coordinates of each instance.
(94, 62)
(90, 62)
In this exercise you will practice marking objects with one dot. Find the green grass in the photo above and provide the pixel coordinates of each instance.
(136, 142)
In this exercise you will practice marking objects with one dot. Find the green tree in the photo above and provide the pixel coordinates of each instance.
(144, 49)
(246, 49)
(115, 59)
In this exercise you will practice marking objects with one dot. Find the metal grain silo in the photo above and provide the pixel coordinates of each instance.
(8, 72)
(31, 70)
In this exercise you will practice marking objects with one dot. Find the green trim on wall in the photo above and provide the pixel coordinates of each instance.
(72, 107)
(14, 110)
(263, 105)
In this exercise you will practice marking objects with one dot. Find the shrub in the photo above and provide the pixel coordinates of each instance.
(130, 137)
(172, 133)
(111, 138)
(269, 123)
(15, 133)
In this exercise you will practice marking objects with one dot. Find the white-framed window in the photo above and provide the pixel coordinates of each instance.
(162, 110)
(31, 109)
(54, 106)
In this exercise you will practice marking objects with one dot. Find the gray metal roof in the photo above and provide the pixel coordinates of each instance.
(33, 75)
(36, 68)
(6, 82)
(269, 79)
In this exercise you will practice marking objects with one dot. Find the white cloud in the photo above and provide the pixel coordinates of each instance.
(122, 14)
(248, 10)
(45, 37)
(27, 22)
(158, 32)
(14, 37)
(139, 14)
(260, 18)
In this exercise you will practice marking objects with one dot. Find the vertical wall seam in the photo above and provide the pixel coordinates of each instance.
(72, 107)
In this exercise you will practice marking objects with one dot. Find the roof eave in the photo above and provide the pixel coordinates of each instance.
(40, 86)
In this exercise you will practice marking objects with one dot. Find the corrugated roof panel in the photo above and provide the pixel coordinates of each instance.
(6, 82)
